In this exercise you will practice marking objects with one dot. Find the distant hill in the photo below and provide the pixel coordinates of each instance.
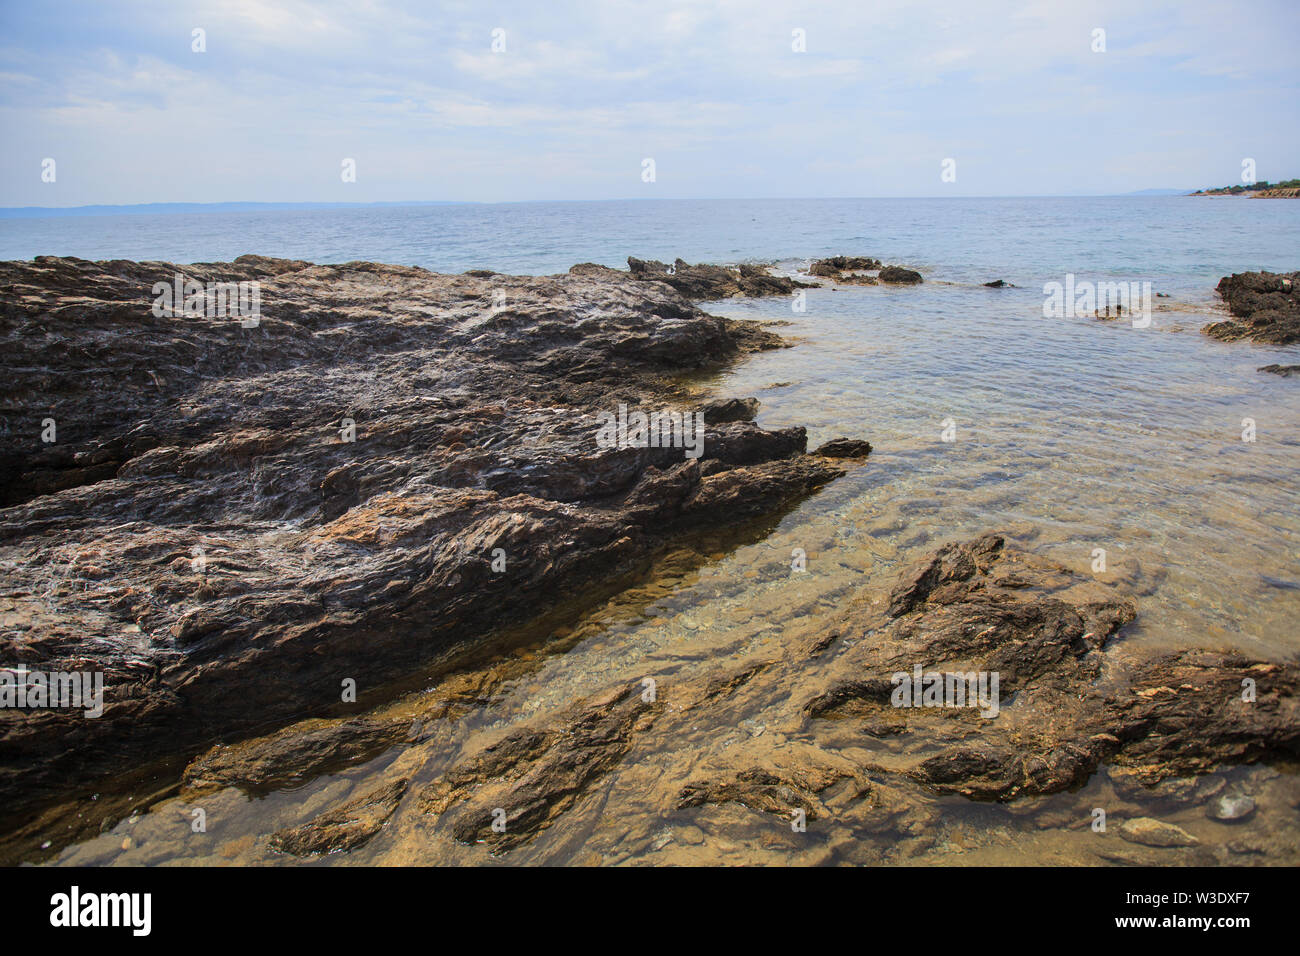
(172, 208)
(1287, 189)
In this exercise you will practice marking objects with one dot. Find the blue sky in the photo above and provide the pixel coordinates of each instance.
(584, 92)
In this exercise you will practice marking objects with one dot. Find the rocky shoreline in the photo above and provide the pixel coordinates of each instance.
(836, 747)
(236, 524)
(1264, 306)
(258, 530)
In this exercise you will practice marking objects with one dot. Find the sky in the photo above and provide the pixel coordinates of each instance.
(577, 96)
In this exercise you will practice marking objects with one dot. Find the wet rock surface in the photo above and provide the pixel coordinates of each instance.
(846, 270)
(707, 282)
(1265, 307)
(345, 828)
(844, 448)
(823, 739)
(897, 275)
(1149, 832)
(1286, 371)
(855, 270)
(234, 521)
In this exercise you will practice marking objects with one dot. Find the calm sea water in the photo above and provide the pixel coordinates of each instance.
(1071, 434)
(1183, 244)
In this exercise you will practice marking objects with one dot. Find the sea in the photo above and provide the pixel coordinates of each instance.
(1147, 453)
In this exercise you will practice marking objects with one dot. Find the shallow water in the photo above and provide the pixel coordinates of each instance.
(1070, 435)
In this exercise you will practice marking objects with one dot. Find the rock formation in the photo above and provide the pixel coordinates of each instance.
(1264, 306)
(238, 521)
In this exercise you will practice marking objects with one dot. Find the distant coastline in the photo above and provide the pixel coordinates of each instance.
(1287, 189)
(177, 208)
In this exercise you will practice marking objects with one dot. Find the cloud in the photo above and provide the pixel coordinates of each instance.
(713, 91)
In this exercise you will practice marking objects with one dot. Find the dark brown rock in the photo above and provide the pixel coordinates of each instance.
(210, 542)
(345, 828)
(1158, 722)
(531, 777)
(707, 282)
(846, 269)
(897, 275)
(844, 448)
(1264, 306)
(730, 410)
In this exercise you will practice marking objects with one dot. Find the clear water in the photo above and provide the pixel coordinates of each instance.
(1071, 435)
(1183, 244)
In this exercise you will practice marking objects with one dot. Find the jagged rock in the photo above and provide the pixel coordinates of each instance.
(345, 828)
(1157, 722)
(768, 790)
(850, 263)
(844, 448)
(706, 282)
(1264, 307)
(998, 284)
(846, 269)
(214, 526)
(981, 607)
(314, 748)
(730, 410)
(526, 780)
(899, 276)
(1286, 371)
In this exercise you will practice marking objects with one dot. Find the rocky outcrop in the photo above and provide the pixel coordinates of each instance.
(855, 270)
(851, 752)
(897, 275)
(240, 523)
(524, 782)
(844, 448)
(706, 283)
(344, 828)
(1264, 306)
(980, 606)
(846, 270)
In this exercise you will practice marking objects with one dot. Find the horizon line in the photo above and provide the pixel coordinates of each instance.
(91, 208)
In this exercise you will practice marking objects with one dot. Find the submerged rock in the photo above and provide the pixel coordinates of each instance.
(1231, 808)
(1150, 832)
(1286, 371)
(346, 828)
(971, 608)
